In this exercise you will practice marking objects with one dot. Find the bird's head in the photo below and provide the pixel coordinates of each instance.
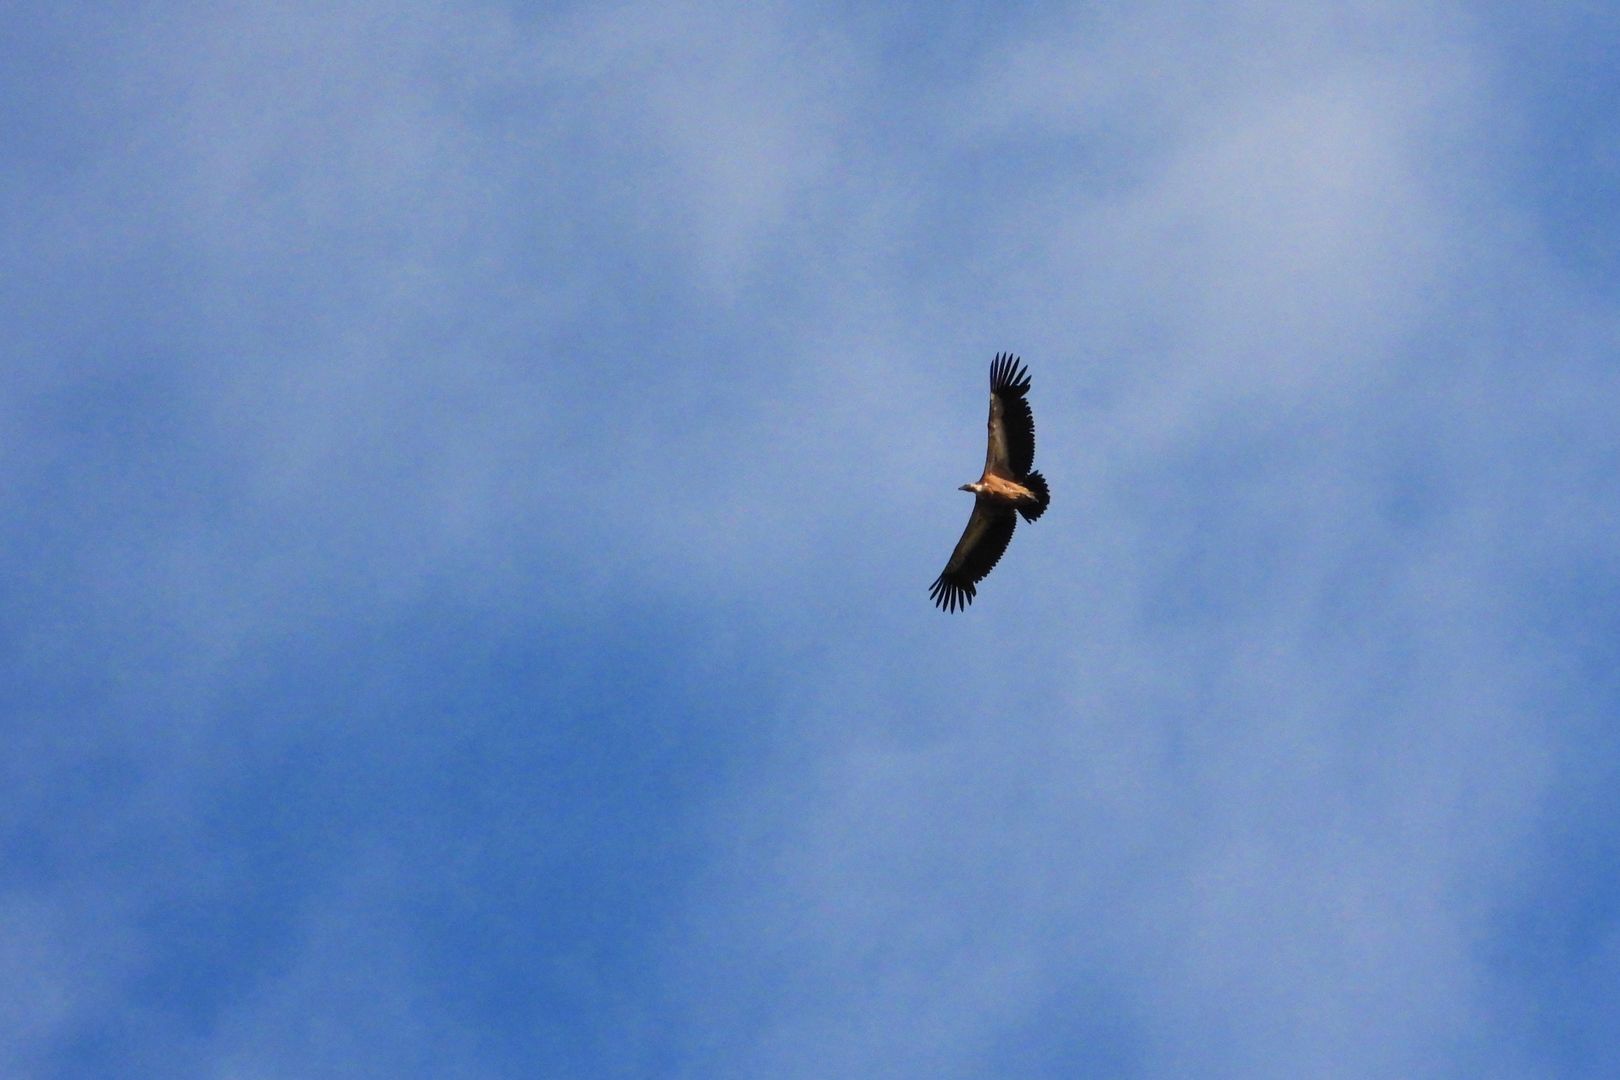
(969, 487)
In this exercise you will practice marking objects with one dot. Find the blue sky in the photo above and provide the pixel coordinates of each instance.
(471, 476)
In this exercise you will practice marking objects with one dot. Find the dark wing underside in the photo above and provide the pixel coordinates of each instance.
(976, 554)
(1011, 450)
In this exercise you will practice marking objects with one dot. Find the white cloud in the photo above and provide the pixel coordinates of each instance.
(618, 312)
(1277, 761)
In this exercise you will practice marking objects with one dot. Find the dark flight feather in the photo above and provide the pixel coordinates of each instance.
(988, 531)
(1012, 425)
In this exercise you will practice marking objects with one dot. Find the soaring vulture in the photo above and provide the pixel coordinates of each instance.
(1007, 488)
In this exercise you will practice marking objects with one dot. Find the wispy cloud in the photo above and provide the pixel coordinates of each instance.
(454, 631)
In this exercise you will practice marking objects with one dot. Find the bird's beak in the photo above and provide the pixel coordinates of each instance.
(965, 487)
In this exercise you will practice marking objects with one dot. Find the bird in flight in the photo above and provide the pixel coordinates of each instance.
(1007, 489)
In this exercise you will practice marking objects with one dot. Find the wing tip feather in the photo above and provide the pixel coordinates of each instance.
(1009, 373)
(950, 595)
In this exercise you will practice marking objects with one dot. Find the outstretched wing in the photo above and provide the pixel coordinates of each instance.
(976, 554)
(1011, 450)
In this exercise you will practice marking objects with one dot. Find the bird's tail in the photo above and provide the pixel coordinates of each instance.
(1036, 483)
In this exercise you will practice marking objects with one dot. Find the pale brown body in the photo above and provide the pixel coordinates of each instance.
(999, 489)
